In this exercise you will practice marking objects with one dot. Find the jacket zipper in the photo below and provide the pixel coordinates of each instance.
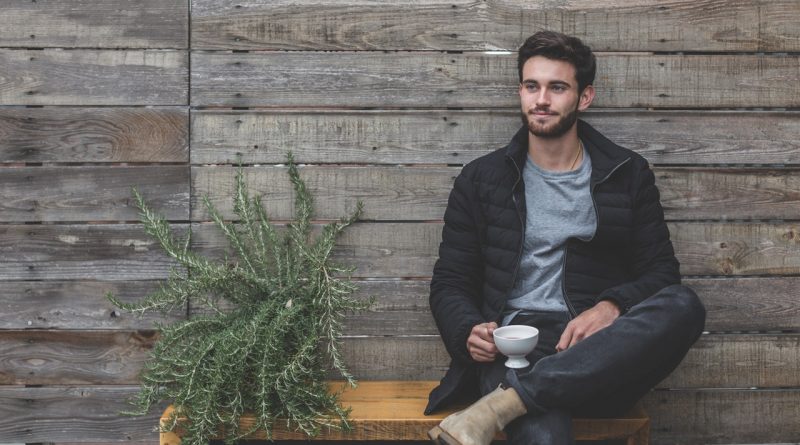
(573, 313)
(522, 223)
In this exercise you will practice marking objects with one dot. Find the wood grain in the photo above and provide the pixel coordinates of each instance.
(743, 304)
(749, 304)
(78, 304)
(106, 252)
(457, 137)
(388, 193)
(95, 24)
(642, 25)
(73, 414)
(703, 248)
(69, 135)
(737, 248)
(94, 77)
(64, 194)
(715, 361)
(724, 417)
(391, 80)
(420, 193)
(123, 252)
(33, 357)
(99, 357)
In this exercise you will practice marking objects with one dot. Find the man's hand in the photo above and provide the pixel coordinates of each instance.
(587, 323)
(480, 342)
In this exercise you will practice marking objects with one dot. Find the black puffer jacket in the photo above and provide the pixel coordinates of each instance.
(629, 258)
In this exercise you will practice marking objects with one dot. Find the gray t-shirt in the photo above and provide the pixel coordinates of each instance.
(559, 206)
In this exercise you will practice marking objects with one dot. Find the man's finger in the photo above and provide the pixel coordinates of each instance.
(566, 338)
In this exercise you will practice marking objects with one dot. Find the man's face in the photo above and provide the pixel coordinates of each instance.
(549, 97)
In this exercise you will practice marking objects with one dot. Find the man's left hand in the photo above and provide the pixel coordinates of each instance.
(587, 323)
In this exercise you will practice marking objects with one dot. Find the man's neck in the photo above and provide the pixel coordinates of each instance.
(558, 154)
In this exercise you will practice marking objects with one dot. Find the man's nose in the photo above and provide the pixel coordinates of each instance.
(543, 97)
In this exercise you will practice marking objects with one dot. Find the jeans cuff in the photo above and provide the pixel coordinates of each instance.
(513, 381)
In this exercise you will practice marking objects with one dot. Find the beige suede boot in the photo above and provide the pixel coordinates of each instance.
(478, 424)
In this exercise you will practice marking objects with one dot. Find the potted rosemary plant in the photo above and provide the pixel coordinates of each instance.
(268, 333)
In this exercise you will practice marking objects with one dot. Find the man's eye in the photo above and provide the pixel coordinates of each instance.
(558, 88)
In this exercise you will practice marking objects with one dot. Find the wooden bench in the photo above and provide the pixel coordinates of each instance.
(392, 410)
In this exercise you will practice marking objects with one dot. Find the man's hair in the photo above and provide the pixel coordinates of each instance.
(556, 46)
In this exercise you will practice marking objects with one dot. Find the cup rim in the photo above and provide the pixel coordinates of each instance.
(532, 331)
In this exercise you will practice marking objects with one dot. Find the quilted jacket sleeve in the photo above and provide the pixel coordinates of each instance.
(652, 259)
(458, 274)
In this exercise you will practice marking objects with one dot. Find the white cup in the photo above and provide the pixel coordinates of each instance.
(515, 342)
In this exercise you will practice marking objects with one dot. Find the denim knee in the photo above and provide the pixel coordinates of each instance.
(684, 304)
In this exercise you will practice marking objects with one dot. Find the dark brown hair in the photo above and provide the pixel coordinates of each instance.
(556, 46)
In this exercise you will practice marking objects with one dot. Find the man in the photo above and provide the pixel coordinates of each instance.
(562, 230)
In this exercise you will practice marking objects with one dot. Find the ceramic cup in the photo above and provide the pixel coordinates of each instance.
(515, 342)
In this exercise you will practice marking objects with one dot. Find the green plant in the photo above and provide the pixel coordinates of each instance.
(268, 332)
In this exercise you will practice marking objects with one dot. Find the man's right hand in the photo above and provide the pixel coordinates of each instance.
(480, 343)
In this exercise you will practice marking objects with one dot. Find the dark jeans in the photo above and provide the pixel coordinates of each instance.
(603, 375)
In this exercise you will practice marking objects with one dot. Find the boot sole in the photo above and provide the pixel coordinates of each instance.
(441, 437)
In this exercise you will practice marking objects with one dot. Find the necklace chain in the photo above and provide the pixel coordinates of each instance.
(577, 155)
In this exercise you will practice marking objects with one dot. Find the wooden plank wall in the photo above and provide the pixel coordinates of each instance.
(381, 101)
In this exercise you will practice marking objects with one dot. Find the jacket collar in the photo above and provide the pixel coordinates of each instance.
(606, 156)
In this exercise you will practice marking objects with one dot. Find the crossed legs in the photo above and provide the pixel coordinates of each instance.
(604, 374)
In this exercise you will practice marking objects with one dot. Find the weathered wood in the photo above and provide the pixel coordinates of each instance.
(389, 193)
(715, 361)
(732, 304)
(109, 252)
(749, 304)
(36, 357)
(420, 193)
(123, 252)
(94, 134)
(95, 24)
(457, 137)
(644, 25)
(702, 193)
(703, 248)
(739, 361)
(727, 416)
(737, 248)
(73, 414)
(33, 357)
(346, 79)
(35, 194)
(94, 77)
(75, 305)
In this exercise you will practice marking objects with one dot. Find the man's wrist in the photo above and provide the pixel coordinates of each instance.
(611, 305)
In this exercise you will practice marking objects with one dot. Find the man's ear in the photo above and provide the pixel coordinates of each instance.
(587, 96)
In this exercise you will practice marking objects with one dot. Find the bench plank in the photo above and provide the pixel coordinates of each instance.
(393, 410)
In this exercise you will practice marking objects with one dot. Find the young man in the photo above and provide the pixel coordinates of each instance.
(562, 230)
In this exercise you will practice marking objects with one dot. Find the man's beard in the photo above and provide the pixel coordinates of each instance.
(554, 131)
